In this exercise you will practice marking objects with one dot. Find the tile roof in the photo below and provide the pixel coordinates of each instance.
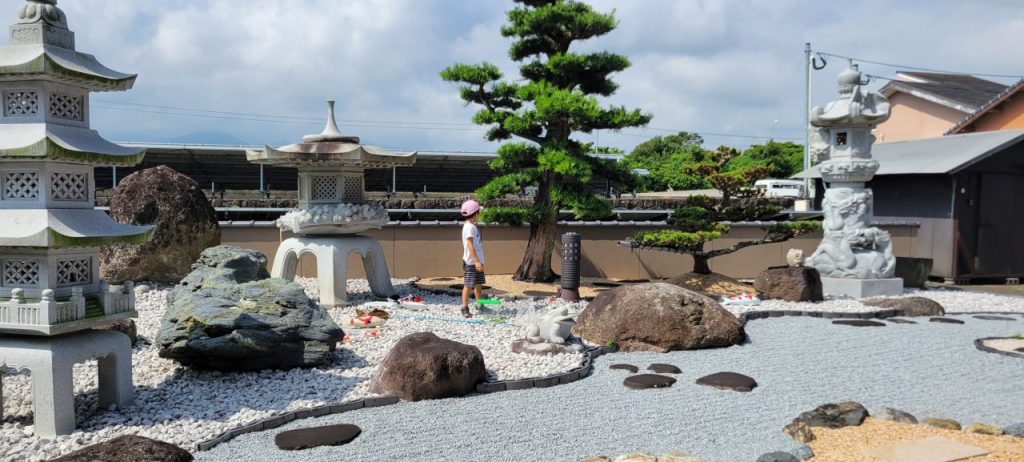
(965, 93)
(994, 102)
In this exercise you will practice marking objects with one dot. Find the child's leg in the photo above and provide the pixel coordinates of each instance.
(465, 295)
(478, 290)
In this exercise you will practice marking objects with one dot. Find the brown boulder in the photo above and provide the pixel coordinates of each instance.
(129, 448)
(184, 222)
(425, 366)
(657, 317)
(910, 306)
(800, 284)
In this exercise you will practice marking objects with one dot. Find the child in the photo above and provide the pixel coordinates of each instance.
(472, 255)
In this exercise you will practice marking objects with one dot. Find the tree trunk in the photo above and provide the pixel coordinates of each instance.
(536, 265)
(700, 264)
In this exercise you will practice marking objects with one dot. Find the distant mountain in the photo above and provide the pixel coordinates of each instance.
(207, 137)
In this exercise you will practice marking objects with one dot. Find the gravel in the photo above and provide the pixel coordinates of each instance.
(954, 301)
(926, 369)
(183, 407)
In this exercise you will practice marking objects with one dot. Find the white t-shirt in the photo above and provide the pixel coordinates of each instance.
(470, 230)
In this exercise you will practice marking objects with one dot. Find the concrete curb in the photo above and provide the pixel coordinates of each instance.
(980, 345)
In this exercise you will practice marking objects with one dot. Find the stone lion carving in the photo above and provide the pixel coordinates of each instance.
(795, 258)
(553, 327)
(850, 248)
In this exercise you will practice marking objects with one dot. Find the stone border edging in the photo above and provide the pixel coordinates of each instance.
(585, 368)
(980, 345)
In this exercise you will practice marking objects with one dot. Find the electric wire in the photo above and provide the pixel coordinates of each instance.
(917, 68)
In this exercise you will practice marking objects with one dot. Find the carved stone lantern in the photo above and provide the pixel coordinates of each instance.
(51, 294)
(854, 258)
(331, 209)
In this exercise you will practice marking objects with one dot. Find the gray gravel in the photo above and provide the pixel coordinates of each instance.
(928, 369)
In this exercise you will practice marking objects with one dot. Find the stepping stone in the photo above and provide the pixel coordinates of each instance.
(304, 438)
(1019, 350)
(994, 318)
(901, 321)
(644, 381)
(664, 369)
(946, 320)
(728, 381)
(858, 323)
(624, 367)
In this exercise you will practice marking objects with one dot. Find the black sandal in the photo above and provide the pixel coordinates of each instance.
(465, 312)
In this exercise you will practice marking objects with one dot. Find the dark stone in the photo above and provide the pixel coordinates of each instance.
(304, 438)
(914, 271)
(664, 369)
(803, 452)
(425, 366)
(380, 401)
(644, 381)
(728, 381)
(226, 316)
(994, 318)
(799, 431)
(658, 317)
(858, 323)
(946, 320)
(833, 415)
(792, 284)
(129, 448)
(778, 457)
(184, 224)
(908, 306)
(901, 321)
(624, 367)
(1020, 350)
(124, 326)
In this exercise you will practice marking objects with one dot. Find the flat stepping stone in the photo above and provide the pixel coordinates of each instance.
(901, 321)
(946, 320)
(728, 381)
(624, 367)
(664, 369)
(994, 318)
(645, 381)
(304, 438)
(1019, 350)
(858, 323)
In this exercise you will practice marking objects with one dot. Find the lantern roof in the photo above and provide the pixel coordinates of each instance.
(330, 148)
(58, 228)
(855, 106)
(40, 141)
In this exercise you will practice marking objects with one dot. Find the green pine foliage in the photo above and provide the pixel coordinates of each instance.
(701, 220)
(556, 98)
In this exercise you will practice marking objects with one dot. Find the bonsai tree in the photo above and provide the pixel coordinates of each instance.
(556, 98)
(701, 219)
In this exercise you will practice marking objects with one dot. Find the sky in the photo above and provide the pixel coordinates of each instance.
(258, 72)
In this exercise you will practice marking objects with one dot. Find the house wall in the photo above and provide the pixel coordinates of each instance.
(1006, 116)
(915, 118)
(435, 251)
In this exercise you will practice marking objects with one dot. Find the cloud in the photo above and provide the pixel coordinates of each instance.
(712, 66)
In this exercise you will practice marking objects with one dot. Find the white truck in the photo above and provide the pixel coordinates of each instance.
(782, 188)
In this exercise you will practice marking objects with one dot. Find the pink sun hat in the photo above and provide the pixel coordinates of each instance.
(470, 208)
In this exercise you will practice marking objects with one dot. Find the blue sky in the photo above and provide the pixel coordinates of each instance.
(710, 66)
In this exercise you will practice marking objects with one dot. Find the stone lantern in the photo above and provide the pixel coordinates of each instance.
(50, 290)
(854, 258)
(331, 209)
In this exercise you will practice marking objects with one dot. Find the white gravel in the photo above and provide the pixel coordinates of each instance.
(184, 407)
(954, 301)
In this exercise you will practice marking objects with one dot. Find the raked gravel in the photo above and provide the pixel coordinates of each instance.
(184, 407)
(927, 369)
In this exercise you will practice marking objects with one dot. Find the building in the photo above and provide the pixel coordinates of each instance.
(1004, 112)
(967, 193)
(926, 105)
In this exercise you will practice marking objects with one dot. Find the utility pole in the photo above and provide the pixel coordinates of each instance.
(808, 183)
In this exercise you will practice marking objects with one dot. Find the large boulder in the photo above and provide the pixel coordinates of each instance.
(425, 366)
(129, 448)
(914, 271)
(184, 224)
(657, 317)
(792, 284)
(226, 315)
(909, 306)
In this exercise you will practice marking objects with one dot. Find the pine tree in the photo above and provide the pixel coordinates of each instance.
(556, 98)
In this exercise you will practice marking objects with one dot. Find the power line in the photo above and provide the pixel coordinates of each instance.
(918, 68)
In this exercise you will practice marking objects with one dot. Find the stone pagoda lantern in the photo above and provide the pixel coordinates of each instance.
(331, 209)
(50, 290)
(854, 258)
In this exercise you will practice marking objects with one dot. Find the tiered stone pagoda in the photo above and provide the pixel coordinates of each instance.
(50, 233)
(331, 209)
(854, 258)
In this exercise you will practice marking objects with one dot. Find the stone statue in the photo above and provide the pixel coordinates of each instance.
(553, 327)
(795, 258)
(850, 248)
(42, 10)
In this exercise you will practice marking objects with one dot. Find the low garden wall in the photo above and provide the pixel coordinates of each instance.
(432, 249)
